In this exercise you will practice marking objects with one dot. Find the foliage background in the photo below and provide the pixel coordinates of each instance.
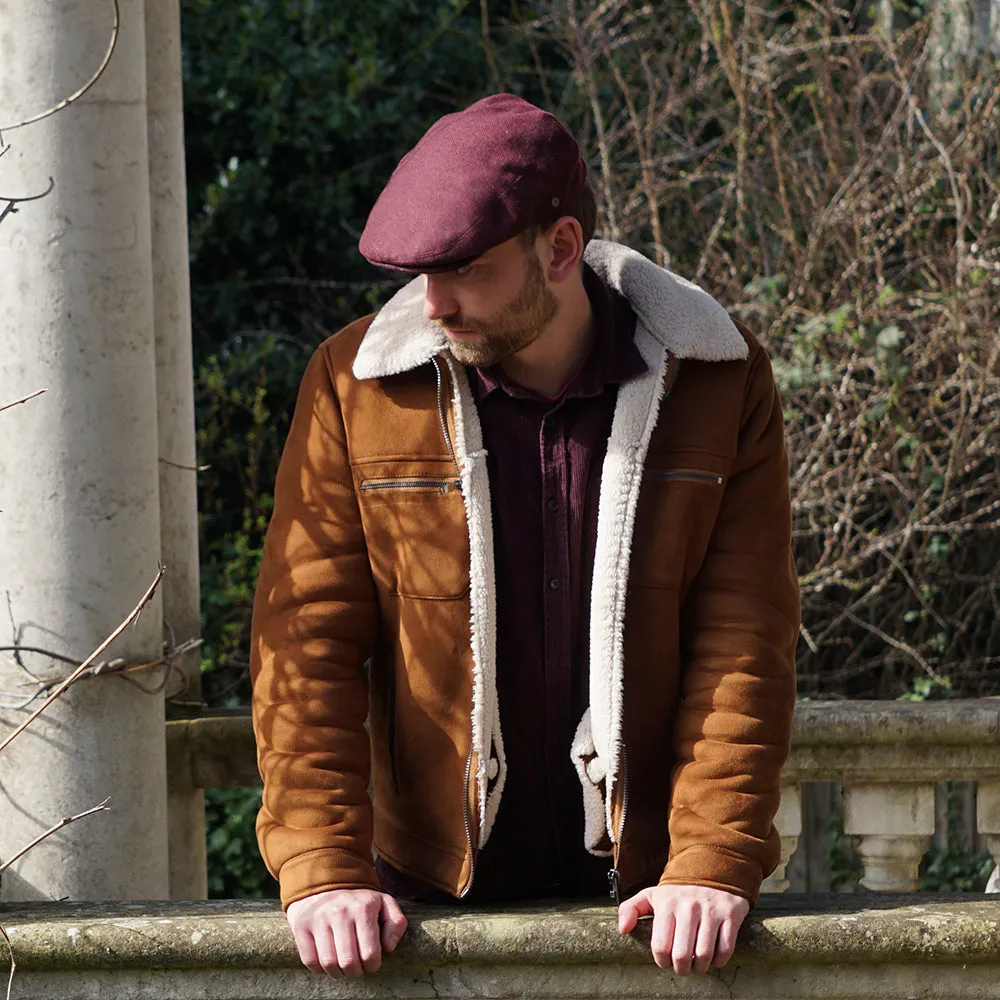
(834, 183)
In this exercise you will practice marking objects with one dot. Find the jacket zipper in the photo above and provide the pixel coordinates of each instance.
(689, 474)
(468, 829)
(614, 879)
(439, 376)
(411, 482)
(614, 876)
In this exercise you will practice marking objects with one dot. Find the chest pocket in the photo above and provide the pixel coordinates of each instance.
(678, 503)
(415, 527)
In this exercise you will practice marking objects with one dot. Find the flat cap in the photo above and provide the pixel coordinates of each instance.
(475, 179)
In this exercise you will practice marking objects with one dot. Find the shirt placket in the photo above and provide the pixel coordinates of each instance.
(556, 514)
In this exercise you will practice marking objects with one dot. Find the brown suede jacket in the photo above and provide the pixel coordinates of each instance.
(380, 551)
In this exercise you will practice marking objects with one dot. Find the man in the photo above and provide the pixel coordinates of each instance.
(543, 493)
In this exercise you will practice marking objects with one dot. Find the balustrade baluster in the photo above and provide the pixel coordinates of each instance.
(988, 823)
(894, 824)
(788, 822)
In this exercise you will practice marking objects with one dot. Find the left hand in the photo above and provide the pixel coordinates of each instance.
(694, 927)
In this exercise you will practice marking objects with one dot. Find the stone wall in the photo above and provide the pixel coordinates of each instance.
(849, 948)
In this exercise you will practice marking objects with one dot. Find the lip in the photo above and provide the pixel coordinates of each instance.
(459, 334)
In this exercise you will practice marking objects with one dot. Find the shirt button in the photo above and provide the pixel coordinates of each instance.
(553, 505)
(553, 584)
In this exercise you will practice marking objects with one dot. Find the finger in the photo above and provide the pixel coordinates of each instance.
(369, 942)
(685, 932)
(306, 944)
(326, 951)
(393, 922)
(705, 942)
(345, 940)
(726, 944)
(632, 909)
(662, 939)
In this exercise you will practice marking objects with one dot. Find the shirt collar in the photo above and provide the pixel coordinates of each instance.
(613, 357)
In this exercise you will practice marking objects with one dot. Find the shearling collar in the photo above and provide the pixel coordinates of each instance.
(682, 317)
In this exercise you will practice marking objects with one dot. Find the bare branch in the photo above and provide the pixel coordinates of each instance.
(83, 90)
(484, 18)
(186, 468)
(9, 208)
(13, 961)
(17, 402)
(133, 615)
(65, 821)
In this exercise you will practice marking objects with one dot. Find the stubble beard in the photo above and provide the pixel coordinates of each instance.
(513, 328)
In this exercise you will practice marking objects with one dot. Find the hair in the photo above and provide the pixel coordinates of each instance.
(584, 210)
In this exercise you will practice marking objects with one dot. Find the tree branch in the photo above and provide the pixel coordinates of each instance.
(13, 962)
(65, 821)
(83, 90)
(143, 601)
(17, 402)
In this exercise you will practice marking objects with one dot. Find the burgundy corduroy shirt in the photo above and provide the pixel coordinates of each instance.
(544, 457)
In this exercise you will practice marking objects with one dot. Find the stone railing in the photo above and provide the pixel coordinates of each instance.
(847, 947)
(888, 756)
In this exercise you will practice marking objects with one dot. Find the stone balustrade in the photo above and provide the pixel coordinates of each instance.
(846, 947)
(888, 755)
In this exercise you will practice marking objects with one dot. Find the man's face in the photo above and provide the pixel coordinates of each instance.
(494, 307)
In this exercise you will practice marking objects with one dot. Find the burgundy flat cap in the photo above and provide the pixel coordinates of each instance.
(476, 178)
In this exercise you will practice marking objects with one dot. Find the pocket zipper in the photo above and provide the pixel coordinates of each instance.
(410, 483)
(691, 474)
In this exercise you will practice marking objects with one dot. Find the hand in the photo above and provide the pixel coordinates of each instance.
(694, 927)
(337, 932)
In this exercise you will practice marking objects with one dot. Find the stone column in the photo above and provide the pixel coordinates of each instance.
(894, 824)
(175, 402)
(79, 491)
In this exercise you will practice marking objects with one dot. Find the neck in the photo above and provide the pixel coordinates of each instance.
(556, 354)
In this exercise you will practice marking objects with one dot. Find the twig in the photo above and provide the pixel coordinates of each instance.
(484, 19)
(18, 402)
(104, 668)
(134, 614)
(83, 90)
(13, 961)
(65, 821)
(186, 468)
(9, 209)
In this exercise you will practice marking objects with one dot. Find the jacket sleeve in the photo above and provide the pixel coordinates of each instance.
(739, 626)
(314, 622)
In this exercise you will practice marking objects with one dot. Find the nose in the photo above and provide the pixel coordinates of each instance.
(438, 300)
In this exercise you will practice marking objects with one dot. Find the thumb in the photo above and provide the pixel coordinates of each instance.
(393, 922)
(632, 909)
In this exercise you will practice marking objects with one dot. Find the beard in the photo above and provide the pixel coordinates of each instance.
(512, 328)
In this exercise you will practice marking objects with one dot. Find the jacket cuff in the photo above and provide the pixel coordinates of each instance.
(716, 868)
(323, 870)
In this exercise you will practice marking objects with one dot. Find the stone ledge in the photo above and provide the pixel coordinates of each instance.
(923, 930)
(961, 722)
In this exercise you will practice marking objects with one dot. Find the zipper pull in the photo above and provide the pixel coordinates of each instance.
(614, 886)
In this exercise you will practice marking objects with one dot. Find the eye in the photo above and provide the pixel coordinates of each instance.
(463, 270)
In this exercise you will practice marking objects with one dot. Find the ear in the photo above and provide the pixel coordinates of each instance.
(565, 248)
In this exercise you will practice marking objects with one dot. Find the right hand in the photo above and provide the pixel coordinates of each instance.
(338, 932)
